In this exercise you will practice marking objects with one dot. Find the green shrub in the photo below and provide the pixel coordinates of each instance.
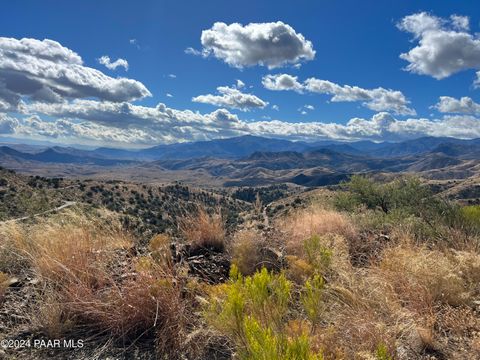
(319, 256)
(311, 297)
(471, 214)
(406, 193)
(262, 343)
(253, 312)
(408, 202)
(382, 353)
(345, 201)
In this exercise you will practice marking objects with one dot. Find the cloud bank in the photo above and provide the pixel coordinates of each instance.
(93, 121)
(378, 99)
(48, 72)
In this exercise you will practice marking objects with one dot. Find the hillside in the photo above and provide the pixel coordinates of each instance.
(146, 209)
(303, 273)
(253, 161)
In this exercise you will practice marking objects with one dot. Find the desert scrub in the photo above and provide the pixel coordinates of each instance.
(203, 230)
(317, 254)
(402, 197)
(472, 213)
(382, 352)
(314, 221)
(90, 284)
(406, 192)
(298, 269)
(160, 249)
(433, 273)
(407, 202)
(253, 312)
(326, 256)
(262, 343)
(246, 251)
(312, 298)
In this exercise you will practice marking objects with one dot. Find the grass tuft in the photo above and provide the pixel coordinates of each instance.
(202, 230)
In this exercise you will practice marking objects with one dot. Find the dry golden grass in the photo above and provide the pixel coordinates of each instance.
(3, 284)
(63, 245)
(13, 258)
(356, 336)
(396, 302)
(414, 270)
(411, 300)
(202, 230)
(245, 250)
(146, 304)
(89, 284)
(393, 303)
(314, 220)
(160, 249)
(363, 313)
(128, 309)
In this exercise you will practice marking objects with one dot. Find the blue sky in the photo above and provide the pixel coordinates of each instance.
(344, 43)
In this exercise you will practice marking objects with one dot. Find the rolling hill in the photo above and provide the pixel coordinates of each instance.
(251, 160)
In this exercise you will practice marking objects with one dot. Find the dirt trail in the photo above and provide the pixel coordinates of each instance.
(58, 208)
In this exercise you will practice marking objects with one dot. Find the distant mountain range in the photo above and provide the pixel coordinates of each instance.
(239, 147)
(254, 160)
(231, 148)
(58, 155)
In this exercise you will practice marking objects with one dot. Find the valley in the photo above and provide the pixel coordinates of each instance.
(451, 165)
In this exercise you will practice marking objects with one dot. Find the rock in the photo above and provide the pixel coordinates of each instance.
(272, 259)
(34, 281)
(13, 282)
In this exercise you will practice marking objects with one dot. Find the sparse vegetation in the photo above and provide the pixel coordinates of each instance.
(407, 203)
(378, 271)
(202, 230)
(246, 251)
(265, 194)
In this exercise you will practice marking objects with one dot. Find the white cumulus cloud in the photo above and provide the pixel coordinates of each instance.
(7, 124)
(464, 105)
(280, 82)
(445, 46)
(233, 98)
(378, 99)
(105, 60)
(305, 109)
(273, 44)
(55, 96)
(46, 71)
